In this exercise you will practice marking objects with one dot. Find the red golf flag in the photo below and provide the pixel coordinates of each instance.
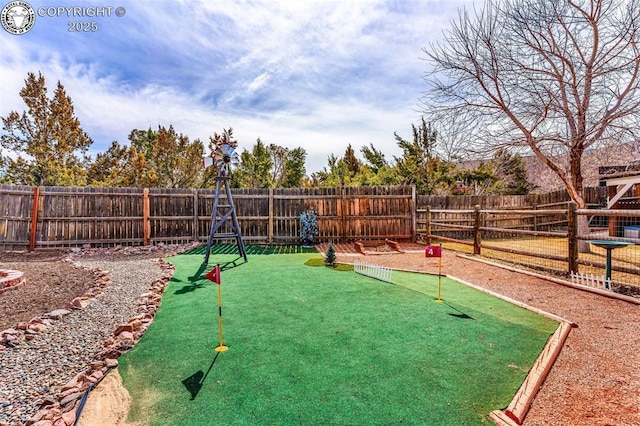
(214, 275)
(433, 251)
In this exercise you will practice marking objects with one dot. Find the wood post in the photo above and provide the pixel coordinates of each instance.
(196, 217)
(270, 225)
(146, 226)
(535, 216)
(343, 209)
(613, 221)
(572, 237)
(34, 218)
(414, 221)
(428, 225)
(477, 237)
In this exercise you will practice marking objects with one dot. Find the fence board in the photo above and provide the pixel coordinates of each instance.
(69, 216)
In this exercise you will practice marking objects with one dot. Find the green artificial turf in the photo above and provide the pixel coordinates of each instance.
(313, 345)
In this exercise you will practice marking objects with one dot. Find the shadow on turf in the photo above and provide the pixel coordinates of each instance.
(194, 382)
(196, 280)
(232, 264)
(251, 249)
(459, 313)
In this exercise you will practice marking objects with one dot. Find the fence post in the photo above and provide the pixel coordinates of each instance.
(414, 213)
(196, 218)
(535, 216)
(270, 224)
(146, 226)
(572, 237)
(343, 216)
(34, 218)
(428, 230)
(476, 230)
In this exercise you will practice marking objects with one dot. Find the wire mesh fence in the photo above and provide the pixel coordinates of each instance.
(594, 242)
(609, 245)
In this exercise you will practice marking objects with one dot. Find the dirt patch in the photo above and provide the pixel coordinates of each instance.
(108, 403)
(51, 283)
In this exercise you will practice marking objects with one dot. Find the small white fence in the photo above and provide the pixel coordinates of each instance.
(378, 272)
(591, 281)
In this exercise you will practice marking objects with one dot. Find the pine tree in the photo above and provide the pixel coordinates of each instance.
(330, 258)
(48, 138)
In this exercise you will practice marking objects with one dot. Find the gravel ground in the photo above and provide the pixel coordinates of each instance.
(31, 372)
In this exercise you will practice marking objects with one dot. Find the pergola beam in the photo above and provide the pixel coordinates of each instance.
(622, 185)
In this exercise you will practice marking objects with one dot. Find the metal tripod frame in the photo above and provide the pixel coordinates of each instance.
(220, 217)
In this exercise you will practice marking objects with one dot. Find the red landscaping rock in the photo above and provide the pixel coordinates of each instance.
(38, 328)
(10, 278)
(79, 303)
(111, 363)
(71, 397)
(69, 417)
(122, 328)
(126, 337)
(60, 422)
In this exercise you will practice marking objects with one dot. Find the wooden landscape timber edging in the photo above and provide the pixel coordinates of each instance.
(516, 411)
(609, 294)
(49, 217)
(521, 402)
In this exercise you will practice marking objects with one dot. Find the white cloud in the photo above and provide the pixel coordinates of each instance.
(318, 74)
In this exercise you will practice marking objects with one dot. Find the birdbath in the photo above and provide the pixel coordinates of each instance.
(609, 246)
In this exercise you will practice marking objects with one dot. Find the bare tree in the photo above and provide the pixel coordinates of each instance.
(555, 76)
(455, 138)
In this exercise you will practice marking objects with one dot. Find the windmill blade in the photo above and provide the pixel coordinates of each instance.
(207, 162)
(224, 158)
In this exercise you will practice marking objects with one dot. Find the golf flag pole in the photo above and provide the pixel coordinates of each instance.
(214, 276)
(439, 274)
(436, 251)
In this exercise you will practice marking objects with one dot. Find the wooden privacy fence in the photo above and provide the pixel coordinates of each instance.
(594, 197)
(44, 217)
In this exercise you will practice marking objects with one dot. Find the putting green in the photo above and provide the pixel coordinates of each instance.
(311, 345)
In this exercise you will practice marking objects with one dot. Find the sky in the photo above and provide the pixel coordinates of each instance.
(297, 73)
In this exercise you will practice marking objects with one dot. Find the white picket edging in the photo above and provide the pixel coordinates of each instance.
(378, 272)
(591, 280)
